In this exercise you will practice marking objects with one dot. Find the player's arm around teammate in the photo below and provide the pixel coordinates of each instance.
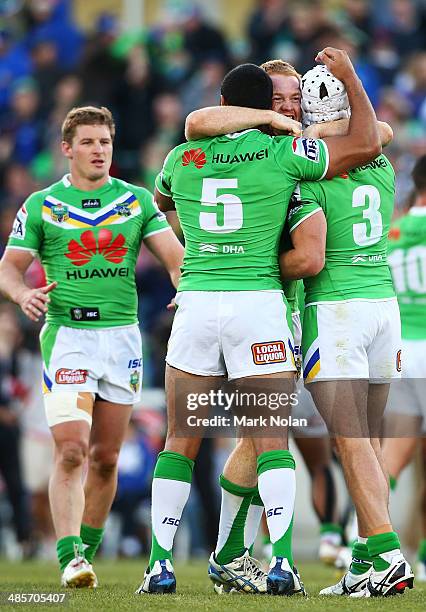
(307, 256)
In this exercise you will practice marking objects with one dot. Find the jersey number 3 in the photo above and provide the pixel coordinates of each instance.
(363, 195)
(230, 214)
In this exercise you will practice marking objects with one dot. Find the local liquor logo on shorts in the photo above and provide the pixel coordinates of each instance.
(59, 213)
(64, 376)
(134, 381)
(269, 352)
(194, 155)
(112, 249)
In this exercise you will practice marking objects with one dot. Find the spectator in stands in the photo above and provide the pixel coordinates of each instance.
(203, 89)
(46, 72)
(268, 23)
(201, 39)
(100, 68)
(23, 122)
(10, 390)
(52, 20)
(133, 102)
(15, 64)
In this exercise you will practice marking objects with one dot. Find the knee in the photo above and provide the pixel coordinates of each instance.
(103, 461)
(71, 455)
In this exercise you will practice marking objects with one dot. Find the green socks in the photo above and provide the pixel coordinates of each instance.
(380, 544)
(236, 501)
(422, 550)
(92, 538)
(361, 560)
(67, 548)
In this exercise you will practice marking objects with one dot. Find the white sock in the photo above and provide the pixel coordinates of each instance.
(169, 498)
(277, 488)
(254, 517)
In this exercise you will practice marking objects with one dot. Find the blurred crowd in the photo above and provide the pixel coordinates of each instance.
(151, 79)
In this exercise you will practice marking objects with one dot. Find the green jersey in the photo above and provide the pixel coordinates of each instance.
(231, 195)
(358, 206)
(88, 242)
(407, 260)
(290, 287)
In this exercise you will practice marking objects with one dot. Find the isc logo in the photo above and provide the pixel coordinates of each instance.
(169, 520)
(275, 511)
(135, 363)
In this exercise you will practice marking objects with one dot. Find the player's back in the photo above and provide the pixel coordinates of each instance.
(358, 206)
(407, 259)
(231, 195)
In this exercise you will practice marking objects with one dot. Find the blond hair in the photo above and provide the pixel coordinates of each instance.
(86, 115)
(278, 66)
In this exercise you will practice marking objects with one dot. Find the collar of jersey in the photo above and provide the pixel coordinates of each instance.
(67, 183)
(234, 135)
(418, 211)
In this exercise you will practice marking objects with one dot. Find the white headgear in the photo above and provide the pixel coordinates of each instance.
(324, 97)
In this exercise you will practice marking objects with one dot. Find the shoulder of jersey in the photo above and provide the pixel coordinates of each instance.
(138, 190)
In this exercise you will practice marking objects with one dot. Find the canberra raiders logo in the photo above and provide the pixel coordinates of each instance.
(59, 213)
(122, 210)
(134, 380)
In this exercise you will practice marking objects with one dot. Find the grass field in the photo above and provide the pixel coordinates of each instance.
(118, 581)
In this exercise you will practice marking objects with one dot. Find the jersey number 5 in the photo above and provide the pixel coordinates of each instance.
(363, 195)
(232, 210)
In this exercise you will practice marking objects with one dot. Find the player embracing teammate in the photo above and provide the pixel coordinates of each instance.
(208, 338)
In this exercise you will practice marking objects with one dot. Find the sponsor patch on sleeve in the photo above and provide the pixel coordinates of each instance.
(18, 229)
(269, 352)
(306, 147)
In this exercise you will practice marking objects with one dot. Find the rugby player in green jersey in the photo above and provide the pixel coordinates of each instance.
(315, 451)
(407, 260)
(87, 230)
(351, 341)
(217, 324)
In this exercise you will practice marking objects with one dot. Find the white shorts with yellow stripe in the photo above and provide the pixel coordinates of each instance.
(89, 362)
(351, 339)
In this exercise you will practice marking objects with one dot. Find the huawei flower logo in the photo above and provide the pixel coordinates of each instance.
(194, 155)
(394, 233)
(111, 249)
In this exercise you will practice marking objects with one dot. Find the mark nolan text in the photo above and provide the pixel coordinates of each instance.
(244, 421)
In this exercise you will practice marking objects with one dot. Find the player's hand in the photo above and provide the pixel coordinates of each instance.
(312, 131)
(337, 61)
(172, 305)
(33, 302)
(285, 125)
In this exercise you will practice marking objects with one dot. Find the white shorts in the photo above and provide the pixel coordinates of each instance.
(352, 339)
(234, 333)
(107, 361)
(408, 396)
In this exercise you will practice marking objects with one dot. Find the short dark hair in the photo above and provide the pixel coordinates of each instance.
(247, 85)
(419, 174)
